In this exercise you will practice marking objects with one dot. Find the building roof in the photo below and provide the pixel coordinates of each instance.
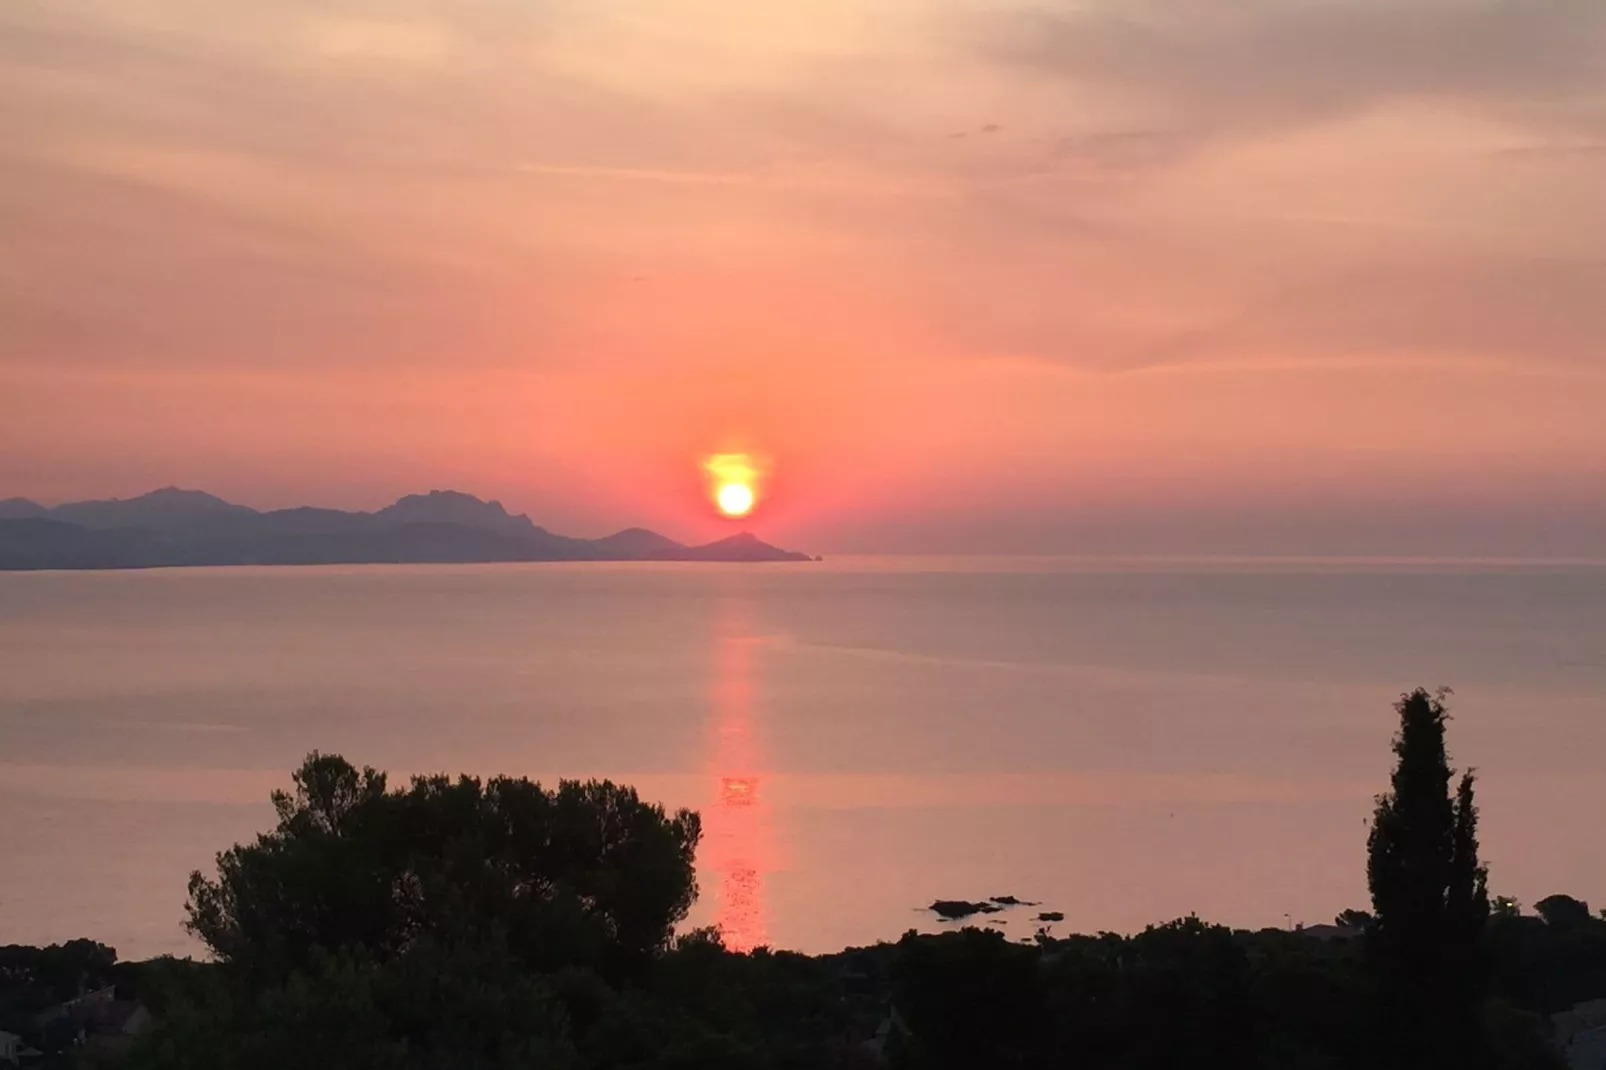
(117, 1016)
(99, 1012)
(1587, 1050)
(76, 1007)
(1581, 1018)
(1328, 932)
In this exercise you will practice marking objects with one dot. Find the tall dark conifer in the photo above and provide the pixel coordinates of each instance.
(1429, 896)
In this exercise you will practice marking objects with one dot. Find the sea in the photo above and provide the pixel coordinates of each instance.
(1119, 741)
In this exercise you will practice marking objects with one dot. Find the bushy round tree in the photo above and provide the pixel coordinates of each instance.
(586, 874)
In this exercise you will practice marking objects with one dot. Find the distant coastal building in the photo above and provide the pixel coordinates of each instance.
(77, 1009)
(1587, 1050)
(13, 1052)
(1581, 1035)
(1329, 934)
(99, 1020)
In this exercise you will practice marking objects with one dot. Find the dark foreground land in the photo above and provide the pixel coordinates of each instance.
(460, 923)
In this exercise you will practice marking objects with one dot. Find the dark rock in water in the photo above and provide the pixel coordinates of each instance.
(953, 909)
(1011, 901)
(1051, 915)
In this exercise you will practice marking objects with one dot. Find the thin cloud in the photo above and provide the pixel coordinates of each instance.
(635, 174)
(1558, 150)
(1118, 151)
(1530, 315)
(417, 43)
(1225, 65)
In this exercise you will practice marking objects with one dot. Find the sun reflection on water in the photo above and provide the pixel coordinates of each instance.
(737, 844)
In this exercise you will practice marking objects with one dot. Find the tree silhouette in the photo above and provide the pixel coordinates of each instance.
(1353, 919)
(586, 874)
(1429, 896)
(1564, 912)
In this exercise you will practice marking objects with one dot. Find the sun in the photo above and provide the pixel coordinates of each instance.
(733, 482)
(735, 499)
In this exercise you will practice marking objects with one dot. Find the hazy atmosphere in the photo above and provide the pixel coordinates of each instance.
(802, 534)
(1266, 277)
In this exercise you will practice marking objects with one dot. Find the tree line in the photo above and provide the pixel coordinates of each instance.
(501, 925)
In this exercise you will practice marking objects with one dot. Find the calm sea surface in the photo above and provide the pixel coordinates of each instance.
(1124, 742)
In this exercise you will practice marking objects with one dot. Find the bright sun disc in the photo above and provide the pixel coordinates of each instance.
(735, 499)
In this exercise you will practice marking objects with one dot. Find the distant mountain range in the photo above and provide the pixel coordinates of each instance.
(172, 527)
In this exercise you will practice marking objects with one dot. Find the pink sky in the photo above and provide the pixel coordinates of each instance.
(1275, 276)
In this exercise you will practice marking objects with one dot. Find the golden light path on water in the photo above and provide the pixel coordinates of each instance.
(736, 840)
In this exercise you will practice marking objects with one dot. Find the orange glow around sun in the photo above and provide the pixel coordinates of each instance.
(733, 478)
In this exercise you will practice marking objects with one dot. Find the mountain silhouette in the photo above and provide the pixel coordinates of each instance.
(638, 544)
(742, 547)
(454, 507)
(165, 509)
(21, 509)
(173, 527)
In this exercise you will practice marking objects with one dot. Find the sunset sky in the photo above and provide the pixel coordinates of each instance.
(1282, 276)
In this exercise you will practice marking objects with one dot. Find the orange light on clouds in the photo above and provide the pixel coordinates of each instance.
(734, 482)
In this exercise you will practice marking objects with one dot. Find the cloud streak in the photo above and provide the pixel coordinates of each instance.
(634, 174)
(1275, 62)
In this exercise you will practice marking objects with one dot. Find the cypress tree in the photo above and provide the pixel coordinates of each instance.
(1429, 896)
